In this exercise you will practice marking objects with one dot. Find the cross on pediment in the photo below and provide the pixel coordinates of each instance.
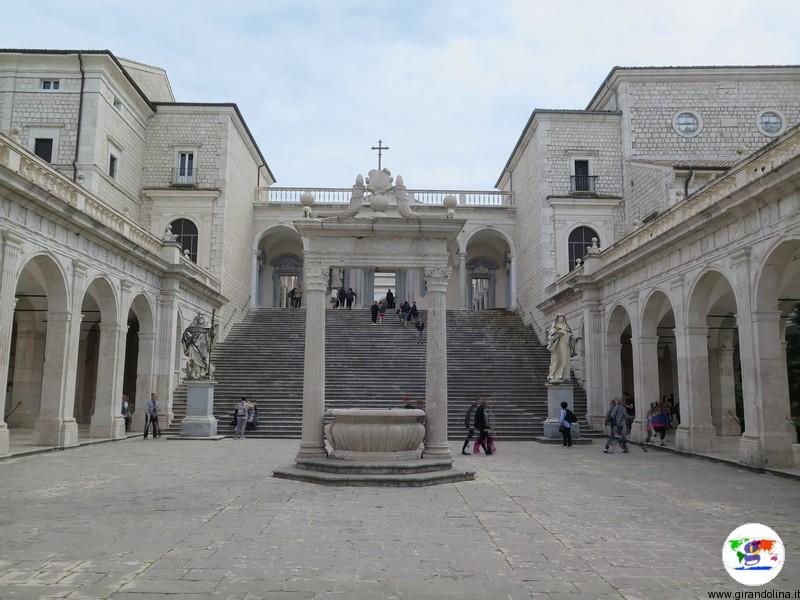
(380, 148)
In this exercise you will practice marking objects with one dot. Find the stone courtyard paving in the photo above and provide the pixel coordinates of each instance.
(149, 519)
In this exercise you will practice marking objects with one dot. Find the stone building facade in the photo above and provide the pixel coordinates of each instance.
(662, 220)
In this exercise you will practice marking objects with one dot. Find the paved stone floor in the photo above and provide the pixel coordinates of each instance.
(139, 520)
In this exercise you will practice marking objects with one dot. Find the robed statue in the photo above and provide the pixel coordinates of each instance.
(561, 346)
(198, 343)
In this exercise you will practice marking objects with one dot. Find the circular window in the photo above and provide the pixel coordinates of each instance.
(687, 124)
(770, 122)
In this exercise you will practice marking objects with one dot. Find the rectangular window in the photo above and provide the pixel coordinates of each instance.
(43, 148)
(185, 172)
(112, 166)
(50, 84)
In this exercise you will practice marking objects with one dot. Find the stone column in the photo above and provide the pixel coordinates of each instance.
(8, 285)
(512, 301)
(462, 279)
(593, 361)
(649, 391)
(254, 279)
(144, 379)
(55, 425)
(313, 444)
(696, 432)
(107, 421)
(772, 391)
(436, 445)
(166, 346)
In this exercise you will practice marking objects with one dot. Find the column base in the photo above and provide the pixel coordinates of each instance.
(778, 450)
(438, 452)
(5, 442)
(62, 433)
(107, 427)
(638, 432)
(311, 450)
(694, 439)
(729, 426)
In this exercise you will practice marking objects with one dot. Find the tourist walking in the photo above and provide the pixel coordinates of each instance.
(151, 413)
(374, 311)
(565, 419)
(482, 425)
(389, 299)
(291, 295)
(420, 327)
(381, 311)
(659, 421)
(252, 417)
(334, 298)
(241, 417)
(350, 295)
(126, 412)
(413, 313)
(298, 296)
(616, 423)
(340, 295)
(469, 425)
(405, 308)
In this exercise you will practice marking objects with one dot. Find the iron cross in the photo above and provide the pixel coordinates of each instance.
(380, 148)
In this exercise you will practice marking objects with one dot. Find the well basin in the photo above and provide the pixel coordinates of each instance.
(375, 434)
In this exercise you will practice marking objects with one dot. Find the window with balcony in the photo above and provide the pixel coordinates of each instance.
(184, 171)
(581, 180)
(579, 239)
(187, 236)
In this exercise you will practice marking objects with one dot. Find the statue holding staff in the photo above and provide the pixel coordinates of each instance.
(198, 343)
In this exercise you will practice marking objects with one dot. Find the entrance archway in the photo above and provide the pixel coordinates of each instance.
(38, 352)
(279, 266)
(488, 271)
(777, 297)
(659, 358)
(139, 357)
(618, 358)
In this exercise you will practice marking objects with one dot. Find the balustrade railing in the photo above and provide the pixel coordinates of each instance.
(279, 195)
(583, 183)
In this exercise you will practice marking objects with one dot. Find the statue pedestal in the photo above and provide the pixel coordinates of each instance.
(199, 421)
(556, 394)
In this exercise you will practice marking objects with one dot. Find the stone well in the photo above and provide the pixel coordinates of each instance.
(375, 434)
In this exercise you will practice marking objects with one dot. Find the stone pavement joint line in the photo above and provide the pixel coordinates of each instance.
(143, 520)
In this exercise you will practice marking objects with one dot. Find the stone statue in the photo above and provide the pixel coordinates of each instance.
(198, 343)
(561, 346)
(169, 236)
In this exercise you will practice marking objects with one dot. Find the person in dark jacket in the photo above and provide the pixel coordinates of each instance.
(482, 425)
(341, 296)
(389, 299)
(350, 295)
(413, 314)
(616, 422)
(374, 310)
(469, 425)
(403, 311)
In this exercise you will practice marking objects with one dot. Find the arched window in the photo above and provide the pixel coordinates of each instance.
(187, 236)
(579, 239)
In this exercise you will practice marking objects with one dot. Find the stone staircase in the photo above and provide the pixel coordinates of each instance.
(489, 353)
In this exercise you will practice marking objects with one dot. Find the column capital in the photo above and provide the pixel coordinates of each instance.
(146, 336)
(696, 330)
(12, 240)
(59, 317)
(644, 340)
(766, 316)
(315, 277)
(437, 278)
(740, 256)
(110, 327)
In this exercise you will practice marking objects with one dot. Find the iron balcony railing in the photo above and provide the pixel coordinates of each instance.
(583, 183)
(183, 176)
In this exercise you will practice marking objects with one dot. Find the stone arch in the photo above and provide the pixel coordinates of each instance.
(274, 248)
(658, 355)
(140, 342)
(489, 266)
(39, 351)
(618, 354)
(776, 314)
(102, 390)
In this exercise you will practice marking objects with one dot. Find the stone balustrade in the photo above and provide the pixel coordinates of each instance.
(291, 195)
(30, 167)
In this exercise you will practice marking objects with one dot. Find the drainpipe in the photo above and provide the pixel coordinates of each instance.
(686, 183)
(80, 118)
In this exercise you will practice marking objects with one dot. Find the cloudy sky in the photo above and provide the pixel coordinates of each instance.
(448, 85)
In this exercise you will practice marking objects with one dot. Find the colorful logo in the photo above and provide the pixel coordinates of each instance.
(753, 554)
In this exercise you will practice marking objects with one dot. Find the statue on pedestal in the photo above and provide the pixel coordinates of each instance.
(561, 346)
(198, 343)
